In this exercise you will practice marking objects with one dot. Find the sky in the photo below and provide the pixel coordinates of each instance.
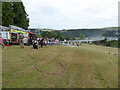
(72, 14)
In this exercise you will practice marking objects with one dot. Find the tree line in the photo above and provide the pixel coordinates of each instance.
(56, 35)
(13, 13)
(105, 42)
(80, 33)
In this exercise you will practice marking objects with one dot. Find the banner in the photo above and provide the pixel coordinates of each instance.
(18, 31)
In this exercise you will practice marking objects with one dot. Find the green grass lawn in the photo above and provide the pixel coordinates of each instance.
(87, 66)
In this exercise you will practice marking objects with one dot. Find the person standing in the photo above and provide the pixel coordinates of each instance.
(45, 42)
(35, 45)
(1, 41)
(21, 37)
(42, 42)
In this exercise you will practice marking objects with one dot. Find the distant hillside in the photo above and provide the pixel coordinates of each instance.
(109, 32)
(112, 28)
(86, 32)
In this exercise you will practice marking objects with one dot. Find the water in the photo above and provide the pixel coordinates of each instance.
(102, 38)
(90, 39)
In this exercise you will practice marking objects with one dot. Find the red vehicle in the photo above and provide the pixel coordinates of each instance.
(32, 36)
(28, 38)
(11, 35)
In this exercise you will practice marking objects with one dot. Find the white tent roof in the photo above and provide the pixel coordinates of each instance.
(3, 28)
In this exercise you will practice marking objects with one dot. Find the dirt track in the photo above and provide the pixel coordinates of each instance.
(47, 73)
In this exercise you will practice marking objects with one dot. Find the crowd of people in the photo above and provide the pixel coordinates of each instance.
(36, 42)
(40, 42)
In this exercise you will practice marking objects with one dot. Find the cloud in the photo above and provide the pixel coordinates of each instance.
(59, 14)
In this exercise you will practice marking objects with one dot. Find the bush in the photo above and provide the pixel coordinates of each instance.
(113, 43)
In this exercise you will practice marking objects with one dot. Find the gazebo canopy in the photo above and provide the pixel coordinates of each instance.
(3, 28)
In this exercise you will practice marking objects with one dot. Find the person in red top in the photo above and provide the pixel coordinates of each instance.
(1, 41)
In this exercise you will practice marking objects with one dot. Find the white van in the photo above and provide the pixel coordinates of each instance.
(5, 34)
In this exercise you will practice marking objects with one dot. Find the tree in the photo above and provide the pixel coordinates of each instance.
(82, 36)
(13, 13)
(38, 35)
(20, 19)
(68, 37)
(7, 14)
(0, 13)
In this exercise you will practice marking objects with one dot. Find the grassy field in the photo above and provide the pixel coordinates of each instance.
(87, 66)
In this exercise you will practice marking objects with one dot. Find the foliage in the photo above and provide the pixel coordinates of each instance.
(113, 43)
(82, 36)
(13, 13)
(7, 14)
(38, 35)
(55, 34)
(119, 43)
(86, 32)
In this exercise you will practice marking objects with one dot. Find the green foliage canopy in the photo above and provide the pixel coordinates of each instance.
(13, 13)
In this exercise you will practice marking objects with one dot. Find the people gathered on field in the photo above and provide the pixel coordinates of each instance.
(40, 42)
(43, 42)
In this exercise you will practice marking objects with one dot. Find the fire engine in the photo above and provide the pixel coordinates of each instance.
(11, 35)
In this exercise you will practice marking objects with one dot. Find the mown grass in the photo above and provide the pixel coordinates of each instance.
(86, 67)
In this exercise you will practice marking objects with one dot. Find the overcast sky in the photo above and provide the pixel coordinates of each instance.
(72, 14)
